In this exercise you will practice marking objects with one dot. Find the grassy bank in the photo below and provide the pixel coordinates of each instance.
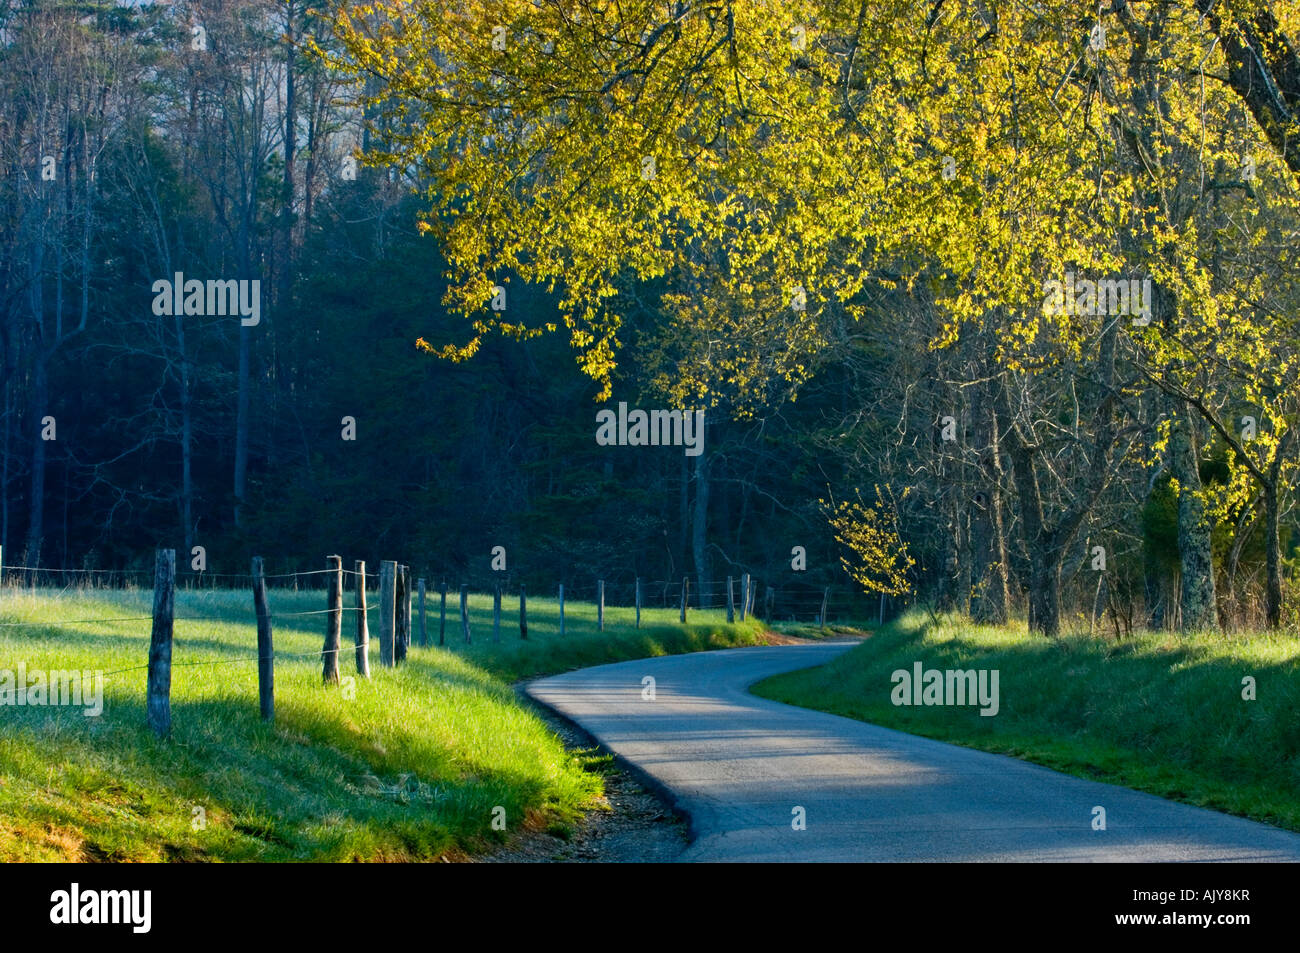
(1159, 712)
(409, 765)
(545, 652)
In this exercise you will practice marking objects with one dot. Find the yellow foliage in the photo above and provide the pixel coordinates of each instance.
(878, 559)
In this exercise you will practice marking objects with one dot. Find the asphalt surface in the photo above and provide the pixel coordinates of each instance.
(739, 766)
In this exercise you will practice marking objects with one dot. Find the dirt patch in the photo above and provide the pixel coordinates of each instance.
(841, 635)
(780, 638)
(638, 826)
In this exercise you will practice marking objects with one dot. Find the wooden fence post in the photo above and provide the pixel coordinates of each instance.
(387, 611)
(600, 605)
(826, 594)
(731, 602)
(523, 612)
(333, 620)
(753, 594)
(561, 609)
(265, 644)
(363, 626)
(406, 611)
(424, 633)
(442, 615)
(401, 614)
(744, 596)
(464, 612)
(496, 614)
(686, 586)
(638, 602)
(407, 615)
(158, 705)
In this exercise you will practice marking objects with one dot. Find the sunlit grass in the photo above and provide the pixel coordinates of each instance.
(408, 765)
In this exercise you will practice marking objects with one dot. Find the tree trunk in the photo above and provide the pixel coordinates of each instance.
(1245, 526)
(1155, 597)
(1044, 557)
(948, 573)
(1196, 558)
(964, 557)
(187, 442)
(988, 548)
(1261, 65)
(4, 452)
(700, 523)
(683, 517)
(36, 488)
(997, 605)
(1273, 557)
(1045, 592)
(241, 424)
(290, 142)
(244, 382)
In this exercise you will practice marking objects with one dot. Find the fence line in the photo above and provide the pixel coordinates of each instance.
(801, 599)
(394, 585)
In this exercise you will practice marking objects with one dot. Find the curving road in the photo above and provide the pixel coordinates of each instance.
(739, 766)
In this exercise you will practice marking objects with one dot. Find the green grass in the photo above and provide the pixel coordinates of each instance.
(545, 652)
(1160, 713)
(408, 765)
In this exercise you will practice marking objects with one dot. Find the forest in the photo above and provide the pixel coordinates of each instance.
(987, 307)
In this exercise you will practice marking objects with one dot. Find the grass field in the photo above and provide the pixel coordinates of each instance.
(409, 765)
(1159, 712)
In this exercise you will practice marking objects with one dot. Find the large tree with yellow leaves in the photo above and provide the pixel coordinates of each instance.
(773, 161)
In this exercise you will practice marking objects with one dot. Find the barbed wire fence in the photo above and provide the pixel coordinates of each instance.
(398, 619)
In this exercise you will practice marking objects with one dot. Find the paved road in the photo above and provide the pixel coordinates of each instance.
(738, 765)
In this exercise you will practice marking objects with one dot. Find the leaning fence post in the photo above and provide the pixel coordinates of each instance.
(265, 645)
(600, 605)
(744, 596)
(753, 594)
(638, 602)
(561, 609)
(333, 620)
(158, 706)
(363, 627)
(523, 612)
(387, 611)
(826, 593)
(496, 613)
(731, 602)
(686, 586)
(424, 633)
(464, 611)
